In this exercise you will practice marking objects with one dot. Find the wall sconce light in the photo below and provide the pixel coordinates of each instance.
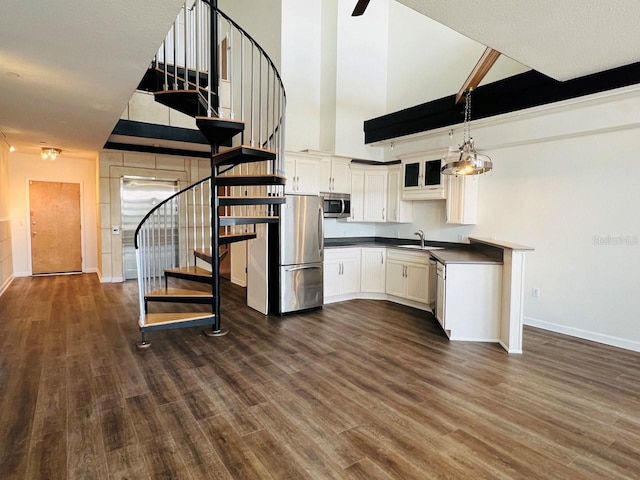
(49, 153)
(11, 147)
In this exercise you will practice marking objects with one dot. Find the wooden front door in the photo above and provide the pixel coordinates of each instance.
(56, 245)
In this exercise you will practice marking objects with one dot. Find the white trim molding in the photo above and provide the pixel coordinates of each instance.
(584, 334)
(6, 284)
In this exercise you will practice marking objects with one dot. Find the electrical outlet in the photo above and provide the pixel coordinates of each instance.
(535, 292)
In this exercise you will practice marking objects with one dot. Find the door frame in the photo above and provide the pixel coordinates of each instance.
(28, 220)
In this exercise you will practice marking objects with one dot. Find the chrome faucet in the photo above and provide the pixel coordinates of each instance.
(420, 233)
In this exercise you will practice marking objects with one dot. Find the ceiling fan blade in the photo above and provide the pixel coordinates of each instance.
(483, 66)
(361, 6)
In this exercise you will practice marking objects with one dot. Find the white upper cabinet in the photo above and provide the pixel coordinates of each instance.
(335, 175)
(357, 195)
(462, 199)
(375, 195)
(302, 171)
(421, 176)
(398, 210)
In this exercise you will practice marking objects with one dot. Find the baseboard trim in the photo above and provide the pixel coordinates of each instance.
(513, 350)
(584, 334)
(376, 296)
(109, 279)
(6, 284)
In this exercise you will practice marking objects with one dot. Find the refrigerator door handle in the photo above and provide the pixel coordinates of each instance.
(301, 267)
(320, 233)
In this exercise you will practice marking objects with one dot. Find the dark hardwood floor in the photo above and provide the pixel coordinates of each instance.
(358, 390)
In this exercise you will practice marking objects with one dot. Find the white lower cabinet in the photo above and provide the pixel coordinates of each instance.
(341, 271)
(372, 270)
(468, 301)
(408, 275)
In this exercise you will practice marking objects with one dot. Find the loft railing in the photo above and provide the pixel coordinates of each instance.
(245, 84)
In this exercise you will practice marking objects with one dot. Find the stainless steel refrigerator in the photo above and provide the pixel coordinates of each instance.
(301, 253)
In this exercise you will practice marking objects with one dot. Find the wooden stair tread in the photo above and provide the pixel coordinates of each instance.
(177, 292)
(243, 154)
(219, 130)
(189, 102)
(236, 237)
(250, 180)
(205, 253)
(226, 221)
(156, 319)
(198, 271)
(252, 200)
(219, 119)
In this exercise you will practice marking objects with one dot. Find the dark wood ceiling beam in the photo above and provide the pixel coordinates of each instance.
(481, 69)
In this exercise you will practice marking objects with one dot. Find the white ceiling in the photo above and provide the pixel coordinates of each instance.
(68, 68)
(563, 39)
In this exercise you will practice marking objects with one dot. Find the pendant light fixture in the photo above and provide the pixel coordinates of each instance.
(466, 160)
(49, 153)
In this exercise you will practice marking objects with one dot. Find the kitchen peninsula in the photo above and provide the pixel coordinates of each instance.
(475, 289)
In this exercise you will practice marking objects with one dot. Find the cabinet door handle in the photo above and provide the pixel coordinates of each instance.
(383, 213)
(381, 258)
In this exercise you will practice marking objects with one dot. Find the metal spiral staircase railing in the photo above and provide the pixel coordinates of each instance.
(210, 68)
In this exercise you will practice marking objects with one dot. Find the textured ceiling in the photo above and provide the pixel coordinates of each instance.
(68, 68)
(563, 39)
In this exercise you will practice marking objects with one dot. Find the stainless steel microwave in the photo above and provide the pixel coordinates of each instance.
(336, 205)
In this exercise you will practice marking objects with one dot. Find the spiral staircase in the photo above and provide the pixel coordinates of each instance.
(208, 67)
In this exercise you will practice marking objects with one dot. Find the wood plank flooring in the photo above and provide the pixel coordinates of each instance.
(358, 390)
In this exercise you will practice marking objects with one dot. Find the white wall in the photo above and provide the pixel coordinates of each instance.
(6, 255)
(361, 76)
(24, 167)
(262, 20)
(428, 61)
(340, 70)
(564, 182)
(301, 72)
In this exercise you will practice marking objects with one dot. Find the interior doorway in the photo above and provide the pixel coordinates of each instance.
(138, 196)
(55, 227)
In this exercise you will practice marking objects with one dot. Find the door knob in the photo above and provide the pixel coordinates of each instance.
(33, 234)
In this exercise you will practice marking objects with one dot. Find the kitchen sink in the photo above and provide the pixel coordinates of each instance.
(418, 247)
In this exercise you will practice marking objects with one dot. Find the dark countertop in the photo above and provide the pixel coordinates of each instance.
(452, 252)
(385, 242)
(450, 256)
